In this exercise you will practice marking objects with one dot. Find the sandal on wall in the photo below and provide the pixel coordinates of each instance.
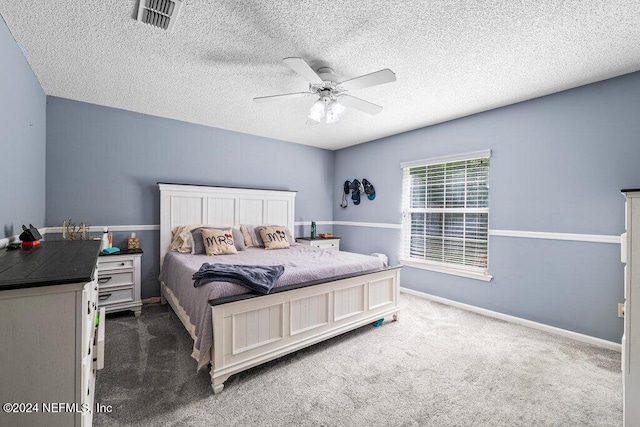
(369, 190)
(355, 191)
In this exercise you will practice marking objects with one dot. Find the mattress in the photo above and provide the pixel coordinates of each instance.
(302, 263)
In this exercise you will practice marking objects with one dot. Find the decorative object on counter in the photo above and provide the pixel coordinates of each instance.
(345, 192)
(369, 190)
(326, 235)
(313, 230)
(73, 231)
(30, 236)
(110, 250)
(105, 239)
(133, 242)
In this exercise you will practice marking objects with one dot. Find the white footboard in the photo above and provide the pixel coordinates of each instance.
(250, 332)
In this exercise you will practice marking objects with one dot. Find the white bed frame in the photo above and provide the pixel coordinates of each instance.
(249, 332)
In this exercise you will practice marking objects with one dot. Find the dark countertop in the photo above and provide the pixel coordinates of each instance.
(630, 190)
(51, 263)
(318, 238)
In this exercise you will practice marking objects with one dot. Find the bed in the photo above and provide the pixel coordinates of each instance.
(321, 294)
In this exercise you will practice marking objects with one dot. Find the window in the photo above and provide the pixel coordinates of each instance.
(446, 214)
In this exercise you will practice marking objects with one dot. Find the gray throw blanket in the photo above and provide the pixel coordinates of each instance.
(259, 278)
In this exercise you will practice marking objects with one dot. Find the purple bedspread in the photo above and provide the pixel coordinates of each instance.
(302, 263)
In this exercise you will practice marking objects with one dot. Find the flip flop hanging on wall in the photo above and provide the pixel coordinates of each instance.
(345, 192)
(355, 191)
(356, 188)
(369, 190)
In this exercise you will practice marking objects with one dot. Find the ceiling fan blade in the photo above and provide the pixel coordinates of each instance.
(373, 79)
(301, 67)
(360, 104)
(283, 96)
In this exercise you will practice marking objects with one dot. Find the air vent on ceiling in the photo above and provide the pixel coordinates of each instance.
(159, 13)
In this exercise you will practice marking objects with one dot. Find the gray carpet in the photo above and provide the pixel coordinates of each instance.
(436, 366)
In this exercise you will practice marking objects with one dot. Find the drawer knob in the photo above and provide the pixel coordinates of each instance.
(104, 280)
(122, 264)
(104, 297)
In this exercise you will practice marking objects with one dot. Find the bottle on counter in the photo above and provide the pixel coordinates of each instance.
(314, 233)
(105, 239)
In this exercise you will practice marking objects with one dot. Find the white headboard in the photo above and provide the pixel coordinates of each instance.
(197, 204)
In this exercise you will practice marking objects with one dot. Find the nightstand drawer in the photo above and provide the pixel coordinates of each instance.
(115, 265)
(107, 280)
(115, 296)
(332, 244)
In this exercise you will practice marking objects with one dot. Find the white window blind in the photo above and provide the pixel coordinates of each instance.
(446, 212)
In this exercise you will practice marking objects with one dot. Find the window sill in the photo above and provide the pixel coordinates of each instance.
(447, 270)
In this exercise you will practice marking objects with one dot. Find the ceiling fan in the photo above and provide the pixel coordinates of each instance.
(332, 93)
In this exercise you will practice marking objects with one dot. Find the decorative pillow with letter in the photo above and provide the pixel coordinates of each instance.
(274, 237)
(218, 242)
(198, 242)
(259, 236)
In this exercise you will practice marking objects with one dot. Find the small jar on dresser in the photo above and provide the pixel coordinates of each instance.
(119, 281)
(332, 243)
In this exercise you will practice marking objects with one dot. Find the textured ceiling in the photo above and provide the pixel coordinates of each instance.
(451, 58)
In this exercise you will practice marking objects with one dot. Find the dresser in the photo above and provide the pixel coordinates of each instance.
(630, 251)
(51, 334)
(119, 281)
(330, 244)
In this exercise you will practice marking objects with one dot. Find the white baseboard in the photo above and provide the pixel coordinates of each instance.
(529, 323)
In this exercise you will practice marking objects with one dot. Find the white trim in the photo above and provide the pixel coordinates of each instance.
(298, 223)
(447, 270)
(518, 320)
(6, 240)
(99, 228)
(369, 224)
(447, 159)
(593, 238)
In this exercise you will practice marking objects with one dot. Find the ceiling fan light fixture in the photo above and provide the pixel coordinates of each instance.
(329, 89)
(336, 107)
(331, 117)
(318, 107)
(334, 110)
(317, 111)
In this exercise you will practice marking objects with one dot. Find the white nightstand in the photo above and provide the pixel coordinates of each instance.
(119, 281)
(329, 244)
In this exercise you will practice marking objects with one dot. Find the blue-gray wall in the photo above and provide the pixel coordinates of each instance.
(22, 140)
(103, 165)
(558, 164)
